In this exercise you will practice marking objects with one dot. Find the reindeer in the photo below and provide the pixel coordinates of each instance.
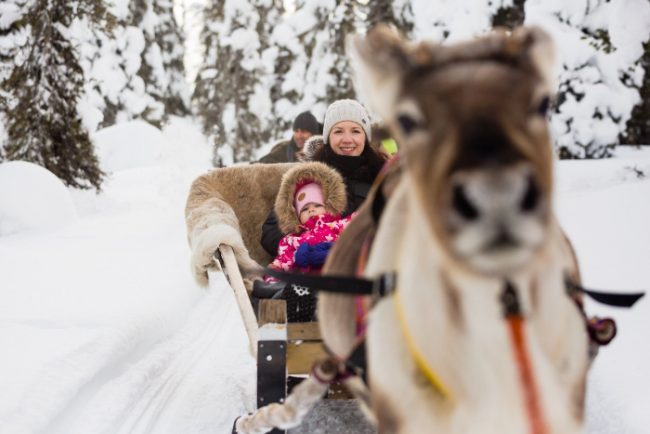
(479, 334)
(468, 226)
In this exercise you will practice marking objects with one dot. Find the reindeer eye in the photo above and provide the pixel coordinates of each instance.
(407, 123)
(543, 106)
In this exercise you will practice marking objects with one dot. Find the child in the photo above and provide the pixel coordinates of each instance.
(308, 205)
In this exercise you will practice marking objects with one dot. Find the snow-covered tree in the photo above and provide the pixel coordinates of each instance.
(232, 93)
(638, 127)
(342, 23)
(450, 20)
(510, 15)
(398, 13)
(43, 124)
(321, 26)
(291, 45)
(161, 65)
(14, 36)
(111, 59)
(287, 85)
(599, 44)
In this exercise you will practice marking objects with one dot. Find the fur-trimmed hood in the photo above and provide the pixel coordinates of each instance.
(330, 181)
(311, 148)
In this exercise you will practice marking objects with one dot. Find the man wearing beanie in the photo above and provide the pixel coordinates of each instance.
(304, 126)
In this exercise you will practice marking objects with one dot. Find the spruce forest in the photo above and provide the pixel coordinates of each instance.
(246, 68)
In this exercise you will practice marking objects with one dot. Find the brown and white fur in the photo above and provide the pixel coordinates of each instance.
(228, 206)
(472, 209)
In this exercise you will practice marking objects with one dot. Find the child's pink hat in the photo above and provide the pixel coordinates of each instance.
(308, 193)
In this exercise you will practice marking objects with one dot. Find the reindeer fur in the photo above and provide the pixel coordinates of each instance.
(466, 118)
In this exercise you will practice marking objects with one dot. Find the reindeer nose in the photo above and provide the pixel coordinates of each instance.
(461, 203)
(531, 196)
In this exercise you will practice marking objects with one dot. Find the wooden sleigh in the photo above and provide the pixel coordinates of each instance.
(285, 350)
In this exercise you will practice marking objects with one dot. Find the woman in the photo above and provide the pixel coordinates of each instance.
(345, 146)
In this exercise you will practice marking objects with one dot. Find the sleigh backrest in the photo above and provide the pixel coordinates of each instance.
(240, 197)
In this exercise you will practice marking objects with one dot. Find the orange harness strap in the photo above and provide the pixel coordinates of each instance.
(515, 321)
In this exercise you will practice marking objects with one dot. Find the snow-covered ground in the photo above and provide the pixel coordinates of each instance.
(103, 330)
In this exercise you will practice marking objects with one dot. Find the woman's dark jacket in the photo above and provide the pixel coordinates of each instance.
(358, 174)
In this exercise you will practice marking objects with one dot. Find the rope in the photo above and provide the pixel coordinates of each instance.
(514, 318)
(417, 355)
(531, 394)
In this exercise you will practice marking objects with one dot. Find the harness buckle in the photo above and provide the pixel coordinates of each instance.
(384, 285)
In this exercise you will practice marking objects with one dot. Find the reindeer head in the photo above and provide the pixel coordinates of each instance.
(471, 123)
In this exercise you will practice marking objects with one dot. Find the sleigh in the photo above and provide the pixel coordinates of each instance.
(225, 212)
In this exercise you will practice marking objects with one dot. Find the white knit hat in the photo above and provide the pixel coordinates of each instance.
(346, 110)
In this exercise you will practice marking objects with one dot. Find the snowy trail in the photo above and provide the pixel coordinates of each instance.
(207, 357)
(103, 330)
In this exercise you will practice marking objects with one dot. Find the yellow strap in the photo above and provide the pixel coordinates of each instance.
(419, 358)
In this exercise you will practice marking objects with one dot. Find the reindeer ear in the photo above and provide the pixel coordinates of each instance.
(379, 62)
(539, 51)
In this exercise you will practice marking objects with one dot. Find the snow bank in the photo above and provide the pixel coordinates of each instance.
(138, 144)
(186, 145)
(129, 145)
(32, 197)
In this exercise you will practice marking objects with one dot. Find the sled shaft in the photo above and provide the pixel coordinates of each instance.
(241, 295)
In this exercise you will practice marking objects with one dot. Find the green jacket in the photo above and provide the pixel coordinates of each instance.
(283, 152)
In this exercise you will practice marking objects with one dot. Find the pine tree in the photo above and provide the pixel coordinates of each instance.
(14, 36)
(289, 51)
(232, 90)
(441, 20)
(171, 42)
(594, 102)
(398, 13)
(43, 123)
(343, 24)
(638, 127)
(510, 16)
(161, 66)
(205, 95)
(327, 76)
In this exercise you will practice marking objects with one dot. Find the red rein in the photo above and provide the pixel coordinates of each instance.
(531, 394)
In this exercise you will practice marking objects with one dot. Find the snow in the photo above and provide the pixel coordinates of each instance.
(603, 205)
(129, 145)
(103, 326)
(105, 330)
(9, 13)
(32, 198)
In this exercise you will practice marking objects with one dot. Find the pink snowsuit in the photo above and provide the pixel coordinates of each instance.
(318, 229)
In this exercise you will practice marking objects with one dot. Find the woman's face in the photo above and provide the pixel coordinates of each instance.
(347, 138)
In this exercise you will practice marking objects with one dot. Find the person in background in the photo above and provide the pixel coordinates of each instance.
(382, 141)
(309, 206)
(344, 146)
(304, 126)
